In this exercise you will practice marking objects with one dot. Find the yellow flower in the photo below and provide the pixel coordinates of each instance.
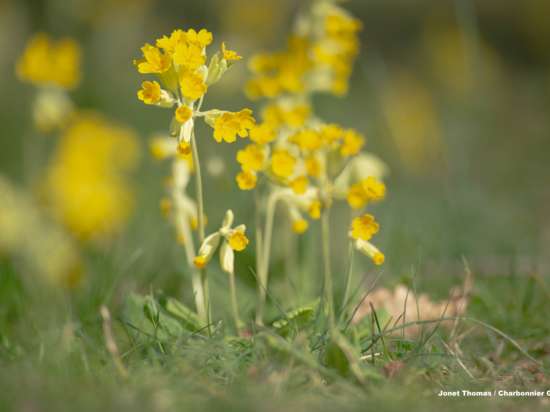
(154, 61)
(299, 185)
(293, 116)
(183, 114)
(237, 241)
(313, 167)
(300, 226)
(353, 142)
(46, 62)
(85, 184)
(229, 55)
(246, 180)
(282, 163)
(314, 210)
(374, 189)
(188, 56)
(356, 197)
(192, 85)
(307, 140)
(367, 190)
(184, 148)
(251, 158)
(202, 39)
(331, 133)
(168, 44)
(228, 125)
(200, 262)
(364, 227)
(149, 92)
(370, 250)
(262, 134)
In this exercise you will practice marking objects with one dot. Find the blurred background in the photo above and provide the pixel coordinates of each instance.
(453, 95)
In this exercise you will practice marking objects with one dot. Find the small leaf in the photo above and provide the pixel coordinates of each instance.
(186, 316)
(296, 319)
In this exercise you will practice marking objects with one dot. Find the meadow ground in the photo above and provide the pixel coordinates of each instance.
(454, 97)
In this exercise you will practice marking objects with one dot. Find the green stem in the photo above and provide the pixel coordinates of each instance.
(234, 304)
(329, 295)
(263, 270)
(349, 277)
(196, 281)
(200, 203)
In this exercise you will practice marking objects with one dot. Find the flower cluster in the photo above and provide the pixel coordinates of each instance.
(318, 57)
(85, 184)
(46, 62)
(42, 246)
(179, 62)
(292, 147)
(54, 68)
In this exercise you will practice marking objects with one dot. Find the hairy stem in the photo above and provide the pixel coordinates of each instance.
(234, 303)
(325, 235)
(349, 277)
(263, 270)
(200, 203)
(196, 281)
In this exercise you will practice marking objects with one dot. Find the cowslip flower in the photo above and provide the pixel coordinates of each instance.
(228, 125)
(86, 185)
(47, 62)
(362, 230)
(41, 246)
(365, 191)
(364, 227)
(231, 239)
(53, 66)
(184, 74)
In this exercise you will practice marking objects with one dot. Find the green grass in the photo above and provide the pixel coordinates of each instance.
(56, 359)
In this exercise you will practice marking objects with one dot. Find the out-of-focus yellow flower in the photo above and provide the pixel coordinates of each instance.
(300, 226)
(365, 191)
(183, 114)
(314, 210)
(353, 142)
(282, 163)
(46, 62)
(251, 158)
(246, 180)
(307, 140)
(299, 185)
(85, 184)
(286, 114)
(230, 124)
(262, 133)
(237, 240)
(364, 227)
(318, 57)
(370, 250)
(43, 247)
(149, 92)
(313, 167)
